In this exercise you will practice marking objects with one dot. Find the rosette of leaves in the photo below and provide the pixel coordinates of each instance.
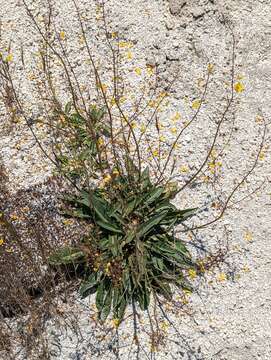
(132, 252)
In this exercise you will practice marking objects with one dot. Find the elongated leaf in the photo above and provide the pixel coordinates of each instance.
(104, 312)
(68, 107)
(144, 298)
(154, 195)
(100, 295)
(150, 224)
(89, 286)
(109, 227)
(67, 255)
(164, 289)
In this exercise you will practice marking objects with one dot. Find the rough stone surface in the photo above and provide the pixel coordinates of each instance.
(175, 6)
(231, 318)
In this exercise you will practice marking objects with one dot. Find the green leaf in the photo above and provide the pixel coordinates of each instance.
(68, 107)
(89, 286)
(150, 224)
(100, 295)
(145, 178)
(158, 263)
(154, 195)
(144, 298)
(67, 255)
(100, 210)
(164, 289)
(106, 305)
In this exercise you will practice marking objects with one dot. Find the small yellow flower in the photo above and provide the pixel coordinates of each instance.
(122, 99)
(239, 87)
(1, 242)
(196, 104)
(116, 172)
(248, 236)
(9, 58)
(192, 273)
(114, 34)
(164, 325)
(138, 71)
(155, 153)
(125, 44)
(133, 125)
(261, 155)
(187, 292)
(176, 117)
(246, 268)
(173, 130)
(162, 138)
(116, 323)
(106, 179)
(62, 35)
(150, 70)
(100, 141)
(129, 55)
(152, 103)
(184, 169)
(14, 217)
(222, 277)
(67, 221)
(210, 68)
(259, 119)
(143, 129)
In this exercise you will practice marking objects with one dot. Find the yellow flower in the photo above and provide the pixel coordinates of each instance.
(62, 35)
(14, 217)
(143, 129)
(9, 58)
(248, 236)
(125, 44)
(222, 277)
(187, 292)
(122, 99)
(164, 325)
(133, 125)
(246, 268)
(100, 141)
(162, 138)
(116, 172)
(150, 69)
(262, 155)
(176, 117)
(210, 68)
(173, 130)
(114, 34)
(1, 242)
(239, 87)
(106, 179)
(138, 71)
(129, 55)
(116, 323)
(184, 169)
(67, 221)
(196, 104)
(155, 153)
(152, 103)
(192, 273)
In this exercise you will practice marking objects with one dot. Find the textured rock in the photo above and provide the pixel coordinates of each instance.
(175, 6)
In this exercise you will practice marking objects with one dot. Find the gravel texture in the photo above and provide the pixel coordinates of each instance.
(229, 317)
